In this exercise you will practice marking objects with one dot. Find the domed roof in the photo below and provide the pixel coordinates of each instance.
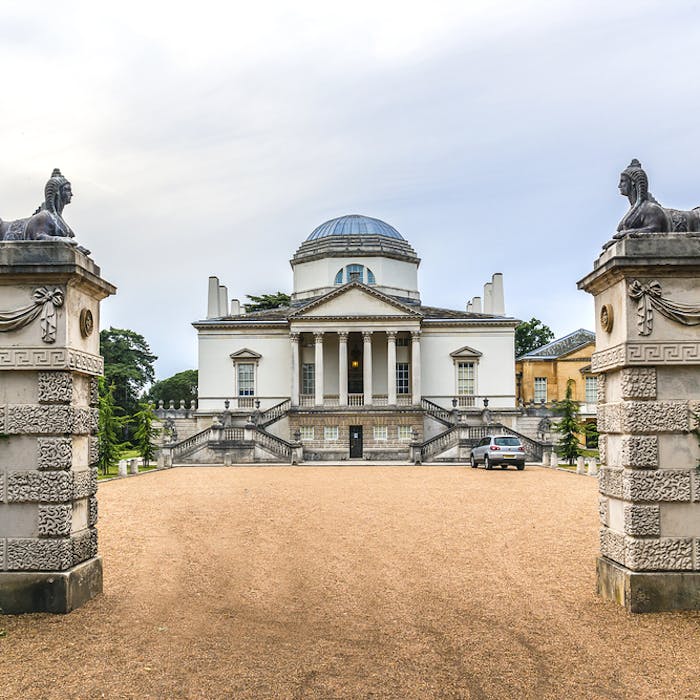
(354, 225)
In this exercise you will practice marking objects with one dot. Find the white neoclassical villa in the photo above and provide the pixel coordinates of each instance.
(357, 365)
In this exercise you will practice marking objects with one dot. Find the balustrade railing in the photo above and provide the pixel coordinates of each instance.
(437, 412)
(274, 413)
(439, 443)
(233, 434)
(190, 442)
(356, 399)
(277, 445)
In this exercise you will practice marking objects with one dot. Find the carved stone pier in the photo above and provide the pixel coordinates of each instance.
(49, 364)
(647, 302)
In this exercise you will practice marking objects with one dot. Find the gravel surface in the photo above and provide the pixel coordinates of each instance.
(350, 582)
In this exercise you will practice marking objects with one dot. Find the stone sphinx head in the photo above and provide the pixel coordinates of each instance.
(634, 183)
(57, 192)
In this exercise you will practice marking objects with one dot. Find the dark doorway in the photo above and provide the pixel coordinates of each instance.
(355, 441)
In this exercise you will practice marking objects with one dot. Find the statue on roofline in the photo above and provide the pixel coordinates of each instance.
(47, 223)
(646, 215)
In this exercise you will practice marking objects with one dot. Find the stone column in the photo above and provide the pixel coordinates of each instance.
(294, 340)
(647, 302)
(343, 368)
(318, 368)
(49, 364)
(367, 367)
(391, 365)
(415, 367)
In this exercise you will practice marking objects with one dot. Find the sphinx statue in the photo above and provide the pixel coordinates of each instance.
(645, 214)
(47, 223)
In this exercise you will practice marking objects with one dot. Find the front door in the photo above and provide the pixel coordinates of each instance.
(355, 441)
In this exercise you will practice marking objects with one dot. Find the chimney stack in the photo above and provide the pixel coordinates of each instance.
(213, 298)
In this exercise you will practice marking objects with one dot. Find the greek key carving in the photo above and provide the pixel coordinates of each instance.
(84, 545)
(55, 387)
(610, 482)
(642, 520)
(46, 487)
(646, 353)
(666, 554)
(51, 358)
(639, 451)
(638, 383)
(54, 453)
(657, 485)
(27, 554)
(55, 520)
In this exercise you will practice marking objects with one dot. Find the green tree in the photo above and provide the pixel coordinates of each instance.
(109, 428)
(128, 365)
(267, 301)
(182, 385)
(568, 426)
(530, 335)
(146, 432)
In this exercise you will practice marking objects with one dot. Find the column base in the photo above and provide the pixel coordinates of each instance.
(652, 591)
(50, 591)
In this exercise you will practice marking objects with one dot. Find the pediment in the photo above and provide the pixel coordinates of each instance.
(245, 354)
(466, 352)
(355, 300)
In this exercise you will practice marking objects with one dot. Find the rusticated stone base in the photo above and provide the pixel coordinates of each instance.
(48, 591)
(644, 592)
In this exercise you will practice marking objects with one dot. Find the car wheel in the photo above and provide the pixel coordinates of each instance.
(487, 463)
(504, 466)
(520, 467)
(472, 462)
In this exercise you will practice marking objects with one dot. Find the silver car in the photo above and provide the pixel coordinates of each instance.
(494, 450)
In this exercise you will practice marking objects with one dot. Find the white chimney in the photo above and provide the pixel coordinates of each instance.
(469, 306)
(235, 307)
(488, 298)
(476, 305)
(213, 298)
(223, 300)
(498, 301)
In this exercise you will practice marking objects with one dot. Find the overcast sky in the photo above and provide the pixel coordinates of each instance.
(213, 138)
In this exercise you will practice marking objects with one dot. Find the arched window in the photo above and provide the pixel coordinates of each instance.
(355, 273)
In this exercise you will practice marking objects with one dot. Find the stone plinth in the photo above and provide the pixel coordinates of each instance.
(647, 304)
(49, 364)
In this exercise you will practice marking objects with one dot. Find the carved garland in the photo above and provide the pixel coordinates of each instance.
(45, 301)
(649, 298)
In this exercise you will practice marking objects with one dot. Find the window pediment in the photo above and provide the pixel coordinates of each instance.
(245, 354)
(466, 353)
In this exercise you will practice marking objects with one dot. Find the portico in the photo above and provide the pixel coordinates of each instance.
(355, 366)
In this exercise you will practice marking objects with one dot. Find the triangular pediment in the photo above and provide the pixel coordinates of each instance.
(355, 300)
(245, 354)
(467, 352)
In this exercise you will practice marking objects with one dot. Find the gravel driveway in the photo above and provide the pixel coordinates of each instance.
(350, 582)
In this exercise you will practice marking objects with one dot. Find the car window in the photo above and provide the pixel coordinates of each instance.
(507, 441)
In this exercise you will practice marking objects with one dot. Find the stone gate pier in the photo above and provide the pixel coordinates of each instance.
(49, 363)
(647, 304)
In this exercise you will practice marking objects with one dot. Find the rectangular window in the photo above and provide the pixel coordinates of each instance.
(330, 432)
(405, 432)
(402, 341)
(381, 432)
(307, 432)
(540, 389)
(308, 378)
(402, 378)
(591, 389)
(465, 378)
(246, 379)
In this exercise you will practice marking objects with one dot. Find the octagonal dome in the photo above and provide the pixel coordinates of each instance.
(354, 225)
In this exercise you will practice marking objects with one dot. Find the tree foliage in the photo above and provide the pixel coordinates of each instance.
(267, 301)
(146, 432)
(128, 365)
(568, 426)
(530, 335)
(182, 385)
(109, 427)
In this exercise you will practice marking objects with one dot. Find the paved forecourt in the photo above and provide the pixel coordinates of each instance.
(348, 582)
